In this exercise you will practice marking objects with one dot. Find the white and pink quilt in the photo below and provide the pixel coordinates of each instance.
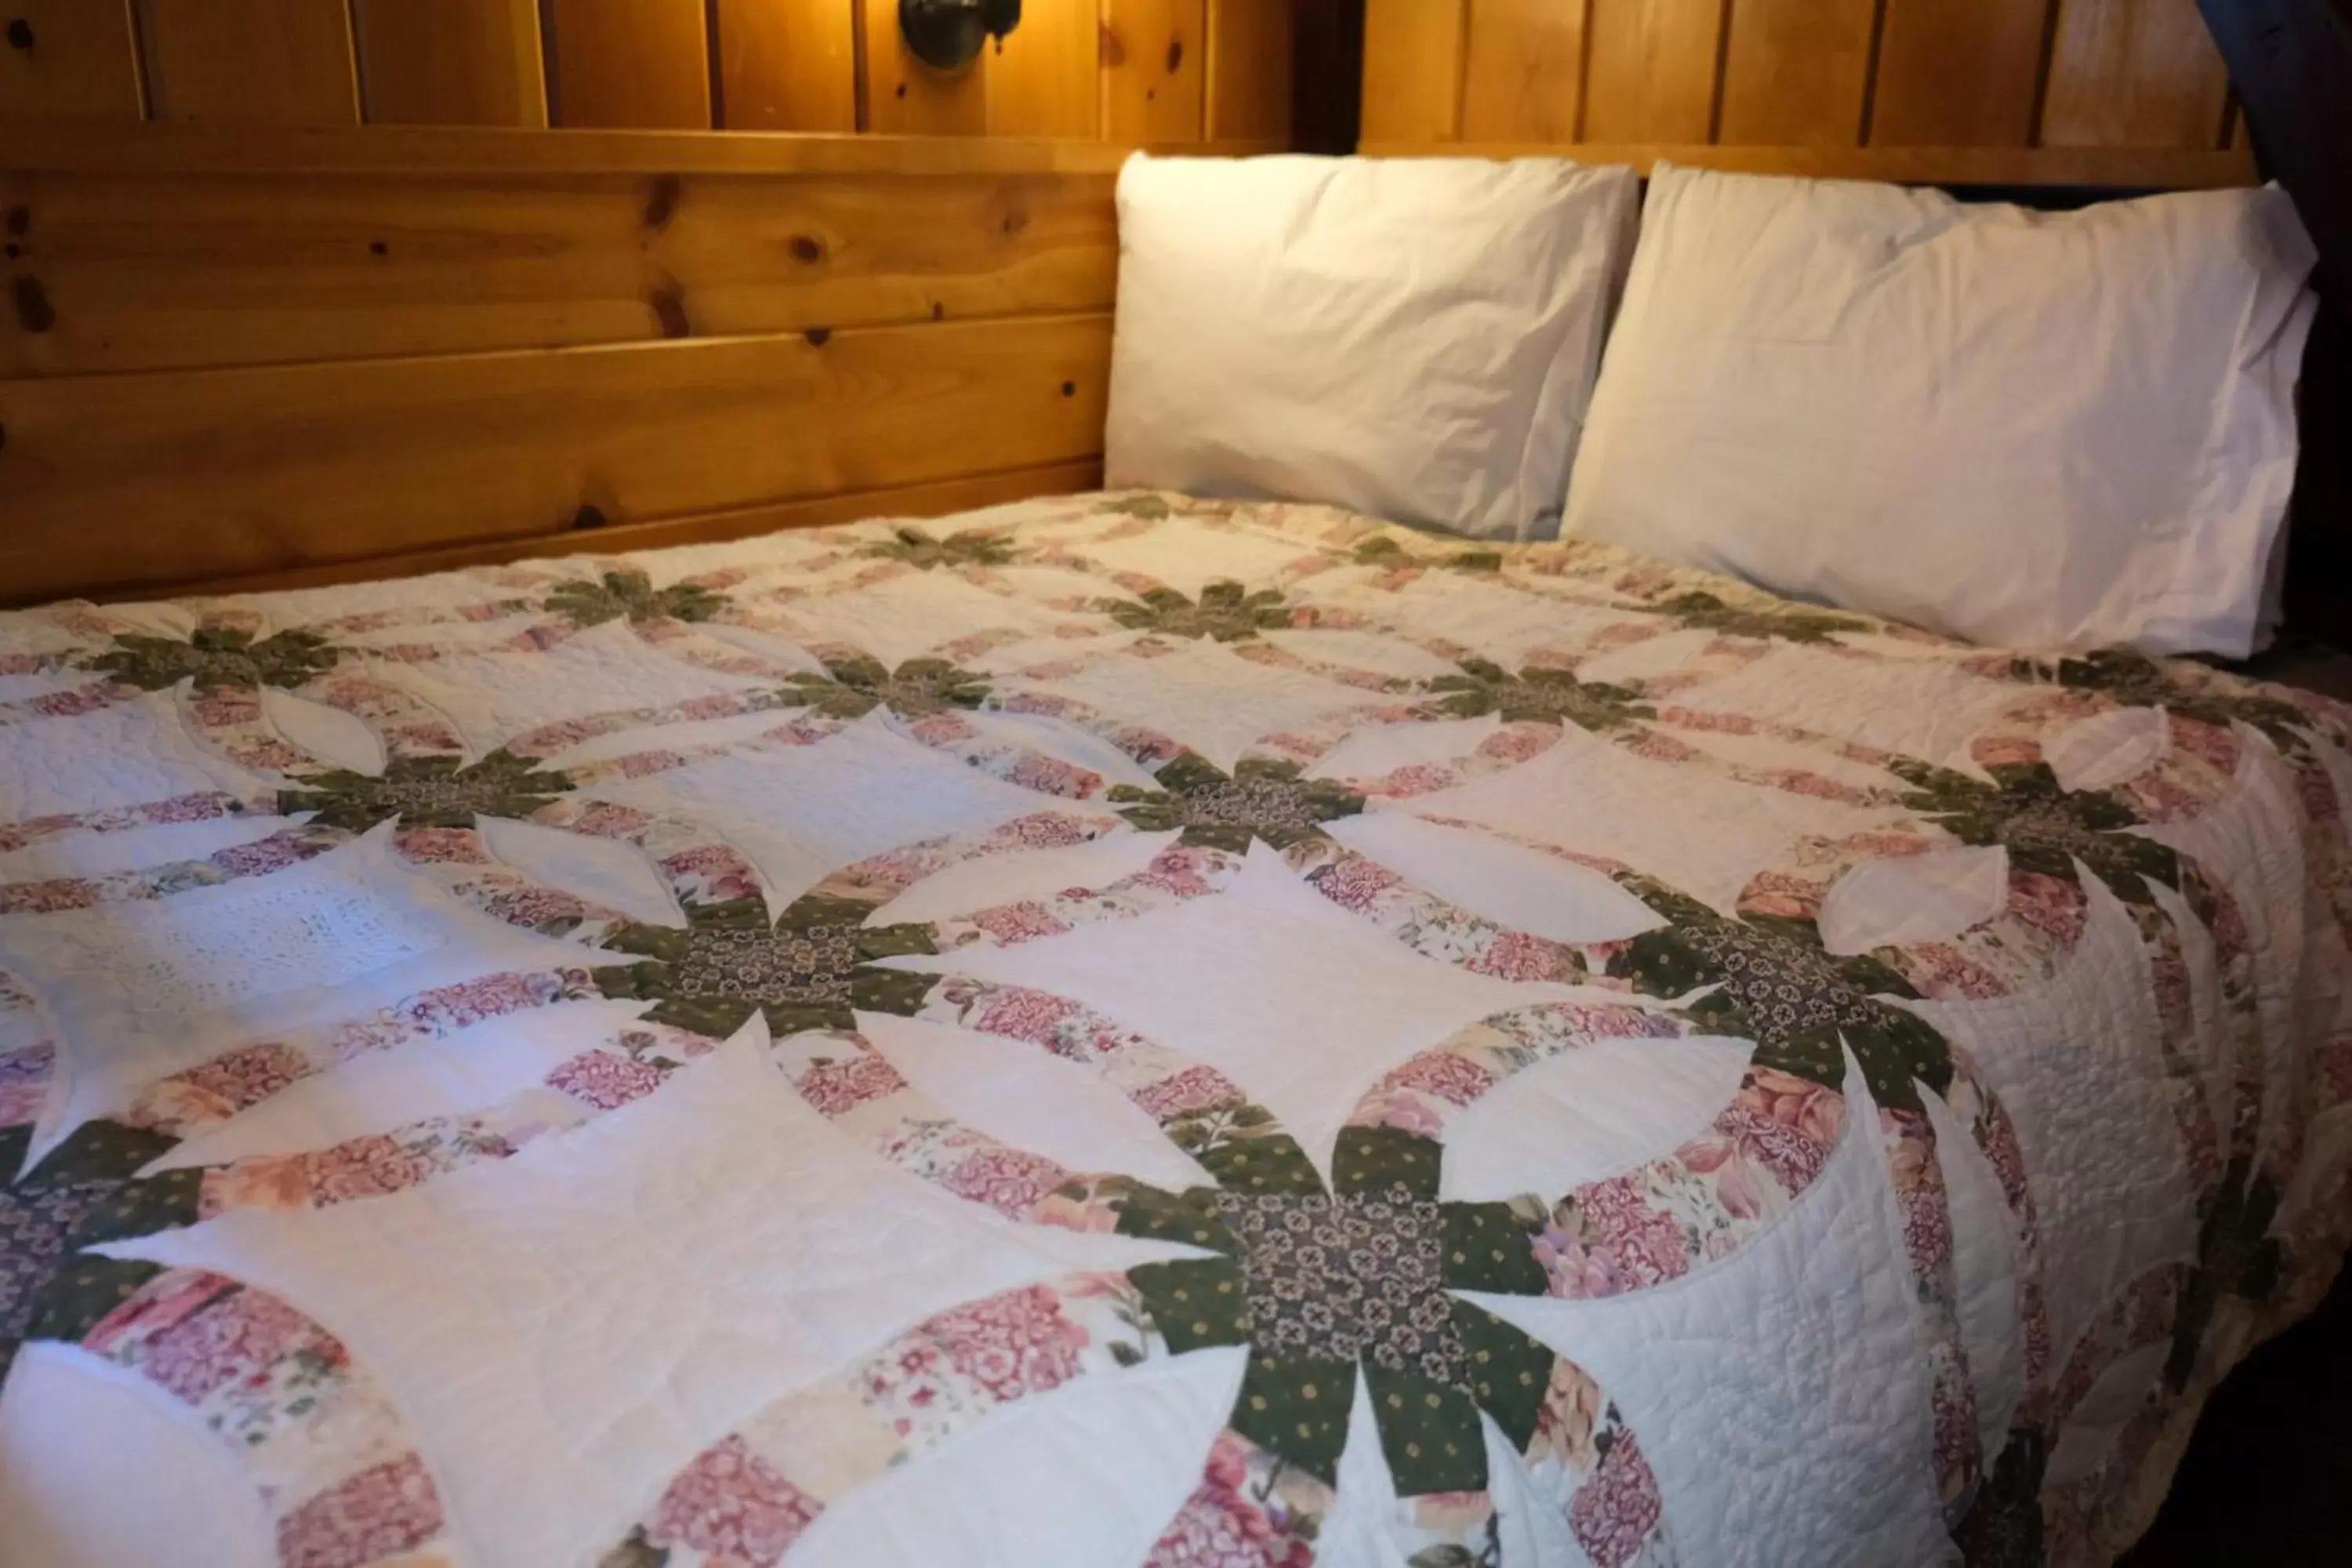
(1128, 1031)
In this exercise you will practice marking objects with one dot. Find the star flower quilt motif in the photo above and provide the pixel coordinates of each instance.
(1138, 1030)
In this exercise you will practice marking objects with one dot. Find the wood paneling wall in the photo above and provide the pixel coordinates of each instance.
(242, 353)
(69, 60)
(1157, 71)
(2091, 91)
(286, 62)
(1152, 67)
(1048, 80)
(1251, 46)
(786, 67)
(642, 63)
(1959, 76)
(451, 62)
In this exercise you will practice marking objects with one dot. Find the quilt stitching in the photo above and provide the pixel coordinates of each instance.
(1327, 1283)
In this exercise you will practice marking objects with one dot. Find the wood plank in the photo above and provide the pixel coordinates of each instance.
(1651, 76)
(281, 62)
(1959, 76)
(905, 97)
(1251, 52)
(451, 62)
(1152, 70)
(72, 59)
(787, 65)
(147, 271)
(2134, 73)
(941, 500)
(167, 478)
(1046, 80)
(1795, 72)
(2121, 168)
(635, 63)
(1523, 80)
(1413, 69)
(96, 147)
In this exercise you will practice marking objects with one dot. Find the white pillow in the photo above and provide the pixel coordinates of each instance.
(2058, 430)
(1415, 339)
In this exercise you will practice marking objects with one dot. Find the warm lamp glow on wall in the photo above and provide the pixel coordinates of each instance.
(949, 34)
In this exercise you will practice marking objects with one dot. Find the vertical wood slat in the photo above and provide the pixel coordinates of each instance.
(1045, 79)
(1153, 70)
(1959, 76)
(1413, 69)
(905, 97)
(1796, 72)
(71, 59)
(2134, 73)
(287, 62)
(1251, 46)
(451, 62)
(1523, 71)
(638, 65)
(786, 65)
(1652, 71)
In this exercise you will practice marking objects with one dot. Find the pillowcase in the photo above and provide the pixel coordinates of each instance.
(1415, 339)
(2062, 430)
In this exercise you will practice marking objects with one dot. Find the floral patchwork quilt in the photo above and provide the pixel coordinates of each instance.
(1122, 1031)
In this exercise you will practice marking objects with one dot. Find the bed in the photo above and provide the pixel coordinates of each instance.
(1132, 1029)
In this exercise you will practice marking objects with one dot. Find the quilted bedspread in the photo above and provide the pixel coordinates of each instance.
(1123, 1030)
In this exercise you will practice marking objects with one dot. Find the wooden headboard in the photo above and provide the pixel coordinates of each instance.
(244, 354)
(2113, 93)
(300, 288)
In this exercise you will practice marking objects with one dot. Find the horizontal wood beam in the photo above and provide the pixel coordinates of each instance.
(119, 480)
(145, 271)
(2122, 168)
(133, 148)
(941, 500)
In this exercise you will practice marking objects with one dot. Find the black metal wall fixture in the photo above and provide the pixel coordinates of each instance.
(950, 34)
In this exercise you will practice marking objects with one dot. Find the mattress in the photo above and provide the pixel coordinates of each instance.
(1128, 1030)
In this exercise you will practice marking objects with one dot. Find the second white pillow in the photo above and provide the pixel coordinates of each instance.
(2019, 428)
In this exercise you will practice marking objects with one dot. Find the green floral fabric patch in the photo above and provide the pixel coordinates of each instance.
(918, 549)
(1537, 696)
(85, 1289)
(426, 791)
(631, 597)
(812, 968)
(1705, 612)
(1387, 552)
(2046, 827)
(854, 687)
(1259, 799)
(1777, 984)
(2136, 681)
(217, 658)
(1225, 612)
